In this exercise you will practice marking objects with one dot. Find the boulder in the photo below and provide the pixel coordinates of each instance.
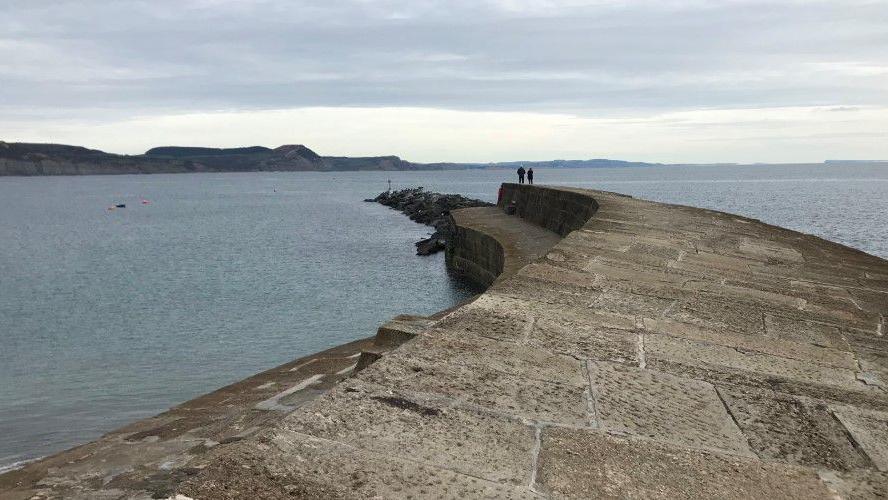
(431, 209)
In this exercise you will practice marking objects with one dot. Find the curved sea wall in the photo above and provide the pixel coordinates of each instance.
(474, 254)
(627, 349)
(560, 210)
(487, 244)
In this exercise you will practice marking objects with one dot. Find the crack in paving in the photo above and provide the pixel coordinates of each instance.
(591, 403)
(529, 325)
(535, 457)
(639, 351)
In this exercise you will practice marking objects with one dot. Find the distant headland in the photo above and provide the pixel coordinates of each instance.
(27, 159)
(30, 159)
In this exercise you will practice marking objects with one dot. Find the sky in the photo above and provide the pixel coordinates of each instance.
(692, 81)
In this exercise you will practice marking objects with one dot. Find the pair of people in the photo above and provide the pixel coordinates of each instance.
(521, 173)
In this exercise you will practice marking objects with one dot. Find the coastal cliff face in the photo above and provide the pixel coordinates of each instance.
(27, 159)
(56, 159)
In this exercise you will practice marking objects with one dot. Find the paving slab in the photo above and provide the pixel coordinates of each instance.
(715, 312)
(857, 484)
(586, 340)
(715, 357)
(293, 465)
(429, 430)
(765, 344)
(622, 302)
(869, 432)
(663, 407)
(804, 331)
(441, 345)
(793, 430)
(588, 464)
(484, 387)
(499, 318)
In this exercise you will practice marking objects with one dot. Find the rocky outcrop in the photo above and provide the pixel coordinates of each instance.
(431, 209)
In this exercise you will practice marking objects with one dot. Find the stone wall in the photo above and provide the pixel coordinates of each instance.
(560, 210)
(485, 244)
(473, 254)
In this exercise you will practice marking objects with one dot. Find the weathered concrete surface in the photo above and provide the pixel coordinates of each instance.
(150, 458)
(657, 351)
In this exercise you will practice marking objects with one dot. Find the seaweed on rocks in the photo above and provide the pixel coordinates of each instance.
(431, 209)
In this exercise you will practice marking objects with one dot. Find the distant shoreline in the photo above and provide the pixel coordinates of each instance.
(33, 159)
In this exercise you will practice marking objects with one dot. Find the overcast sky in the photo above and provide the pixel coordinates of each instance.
(664, 80)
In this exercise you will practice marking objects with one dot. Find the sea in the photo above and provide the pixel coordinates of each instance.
(108, 316)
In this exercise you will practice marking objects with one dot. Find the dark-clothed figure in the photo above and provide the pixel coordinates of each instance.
(521, 175)
(530, 175)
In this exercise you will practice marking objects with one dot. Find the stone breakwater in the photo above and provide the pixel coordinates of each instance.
(651, 351)
(431, 209)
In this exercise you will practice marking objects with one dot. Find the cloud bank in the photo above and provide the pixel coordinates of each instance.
(673, 80)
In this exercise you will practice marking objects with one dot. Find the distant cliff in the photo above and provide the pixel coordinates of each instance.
(57, 159)
(20, 158)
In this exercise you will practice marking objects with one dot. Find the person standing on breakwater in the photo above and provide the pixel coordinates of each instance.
(520, 175)
(530, 175)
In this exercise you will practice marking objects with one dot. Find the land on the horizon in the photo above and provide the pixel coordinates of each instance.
(32, 159)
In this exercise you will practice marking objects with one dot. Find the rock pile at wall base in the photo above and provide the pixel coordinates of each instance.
(427, 208)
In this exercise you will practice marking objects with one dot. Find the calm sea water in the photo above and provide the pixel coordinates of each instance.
(110, 316)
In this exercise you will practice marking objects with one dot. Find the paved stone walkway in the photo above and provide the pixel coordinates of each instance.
(658, 352)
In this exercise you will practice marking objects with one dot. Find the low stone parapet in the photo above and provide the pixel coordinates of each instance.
(560, 210)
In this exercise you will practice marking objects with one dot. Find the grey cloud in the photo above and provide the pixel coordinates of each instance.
(138, 57)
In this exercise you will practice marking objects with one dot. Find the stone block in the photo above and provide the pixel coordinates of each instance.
(804, 331)
(422, 429)
(400, 329)
(492, 317)
(713, 312)
(478, 353)
(869, 429)
(752, 342)
(293, 465)
(590, 464)
(585, 340)
(633, 303)
(763, 366)
(482, 386)
(662, 407)
(791, 429)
